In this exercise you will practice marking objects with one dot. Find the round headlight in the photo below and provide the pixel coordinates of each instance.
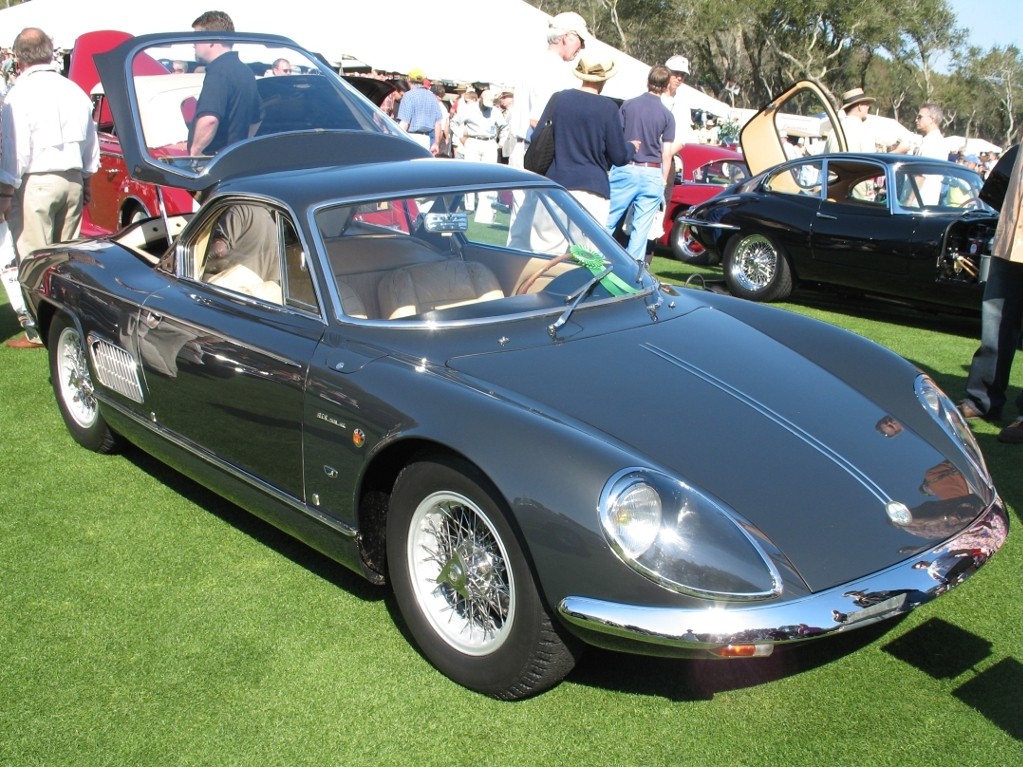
(633, 518)
(683, 539)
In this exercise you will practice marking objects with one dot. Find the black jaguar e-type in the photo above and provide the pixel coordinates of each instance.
(903, 227)
(448, 377)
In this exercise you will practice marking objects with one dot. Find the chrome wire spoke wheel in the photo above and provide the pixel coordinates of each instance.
(755, 263)
(73, 378)
(459, 573)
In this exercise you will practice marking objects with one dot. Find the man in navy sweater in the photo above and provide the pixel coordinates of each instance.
(588, 136)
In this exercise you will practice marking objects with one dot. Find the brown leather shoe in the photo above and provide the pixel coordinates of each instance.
(1013, 433)
(23, 342)
(968, 410)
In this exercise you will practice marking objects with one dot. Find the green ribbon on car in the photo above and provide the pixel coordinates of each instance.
(614, 285)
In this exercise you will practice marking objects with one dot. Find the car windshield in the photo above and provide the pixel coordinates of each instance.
(944, 189)
(195, 99)
(472, 254)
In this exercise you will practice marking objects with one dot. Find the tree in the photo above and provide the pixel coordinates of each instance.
(896, 51)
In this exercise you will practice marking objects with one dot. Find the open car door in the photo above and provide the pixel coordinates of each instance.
(802, 110)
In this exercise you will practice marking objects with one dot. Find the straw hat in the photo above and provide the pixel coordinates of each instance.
(595, 67)
(854, 97)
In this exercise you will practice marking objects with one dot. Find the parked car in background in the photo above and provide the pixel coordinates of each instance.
(118, 198)
(899, 226)
(362, 345)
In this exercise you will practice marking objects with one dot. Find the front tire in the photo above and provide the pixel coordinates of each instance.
(757, 269)
(74, 388)
(464, 587)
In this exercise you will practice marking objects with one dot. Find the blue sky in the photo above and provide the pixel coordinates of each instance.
(991, 22)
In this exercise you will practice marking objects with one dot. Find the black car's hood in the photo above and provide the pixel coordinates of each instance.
(774, 429)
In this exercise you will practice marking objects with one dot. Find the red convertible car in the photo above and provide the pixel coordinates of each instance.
(118, 199)
(706, 170)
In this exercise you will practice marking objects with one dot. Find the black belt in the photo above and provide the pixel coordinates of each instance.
(646, 164)
(422, 132)
(483, 138)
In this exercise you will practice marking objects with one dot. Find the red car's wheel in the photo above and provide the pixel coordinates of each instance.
(684, 247)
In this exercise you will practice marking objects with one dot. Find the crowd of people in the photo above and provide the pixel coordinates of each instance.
(618, 161)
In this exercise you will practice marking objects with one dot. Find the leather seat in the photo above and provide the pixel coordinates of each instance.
(412, 290)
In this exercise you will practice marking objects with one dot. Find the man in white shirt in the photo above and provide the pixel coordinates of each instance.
(566, 36)
(928, 122)
(856, 108)
(676, 99)
(48, 152)
(530, 229)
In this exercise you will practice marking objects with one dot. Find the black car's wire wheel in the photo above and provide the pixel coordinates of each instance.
(74, 388)
(755, 268)
(463, 585)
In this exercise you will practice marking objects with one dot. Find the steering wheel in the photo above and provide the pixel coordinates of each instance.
(971, 204)
(531, 279)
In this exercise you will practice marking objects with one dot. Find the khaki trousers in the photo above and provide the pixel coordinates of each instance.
(47, 209)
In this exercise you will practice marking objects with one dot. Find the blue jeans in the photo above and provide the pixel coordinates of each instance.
(642, 187)
(1001, 324)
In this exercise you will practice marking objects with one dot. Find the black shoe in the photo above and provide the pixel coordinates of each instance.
(1013, 433)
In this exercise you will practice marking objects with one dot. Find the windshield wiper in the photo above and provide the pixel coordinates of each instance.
(574, 299)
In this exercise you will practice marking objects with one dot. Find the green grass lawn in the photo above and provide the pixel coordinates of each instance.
(144, 621)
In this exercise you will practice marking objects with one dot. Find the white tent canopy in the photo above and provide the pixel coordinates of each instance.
(970, 145)
(390, 35)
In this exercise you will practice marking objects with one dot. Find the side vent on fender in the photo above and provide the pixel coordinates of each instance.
(116, 369)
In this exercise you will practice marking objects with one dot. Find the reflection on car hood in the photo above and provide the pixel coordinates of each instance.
(781, 438)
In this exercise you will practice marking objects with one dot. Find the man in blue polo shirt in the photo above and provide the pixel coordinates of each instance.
(641, 183)
(229, 108)
(419, 112)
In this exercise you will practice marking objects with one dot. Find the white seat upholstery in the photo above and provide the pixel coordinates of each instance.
(351, 302)
(242, 279)
(413, 290)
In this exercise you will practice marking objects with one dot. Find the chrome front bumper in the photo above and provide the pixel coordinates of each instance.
(876, 597)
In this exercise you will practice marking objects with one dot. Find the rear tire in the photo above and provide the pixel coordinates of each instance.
(73, 386)
(464, 587)
(755, 268)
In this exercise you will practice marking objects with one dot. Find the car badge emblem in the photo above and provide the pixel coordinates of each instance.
(898, 513)
(358, 438)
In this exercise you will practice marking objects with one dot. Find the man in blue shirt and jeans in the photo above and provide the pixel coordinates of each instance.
(641, 183)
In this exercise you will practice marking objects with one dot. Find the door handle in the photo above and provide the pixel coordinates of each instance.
(826, 216)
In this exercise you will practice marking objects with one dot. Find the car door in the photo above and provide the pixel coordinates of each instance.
(802, 110)
(785, 208)
(857, 237)
(225, 351)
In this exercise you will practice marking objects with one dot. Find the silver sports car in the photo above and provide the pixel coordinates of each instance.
(448, 377)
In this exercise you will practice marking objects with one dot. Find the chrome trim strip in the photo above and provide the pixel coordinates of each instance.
(290, 500)
(707, 224)
(873, 598)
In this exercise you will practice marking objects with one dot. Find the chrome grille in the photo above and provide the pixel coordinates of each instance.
(116, 369)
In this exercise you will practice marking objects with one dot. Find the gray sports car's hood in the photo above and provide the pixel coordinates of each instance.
(782, 438)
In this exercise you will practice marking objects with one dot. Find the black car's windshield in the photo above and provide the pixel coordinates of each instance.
(479, 253)
(944, 188)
